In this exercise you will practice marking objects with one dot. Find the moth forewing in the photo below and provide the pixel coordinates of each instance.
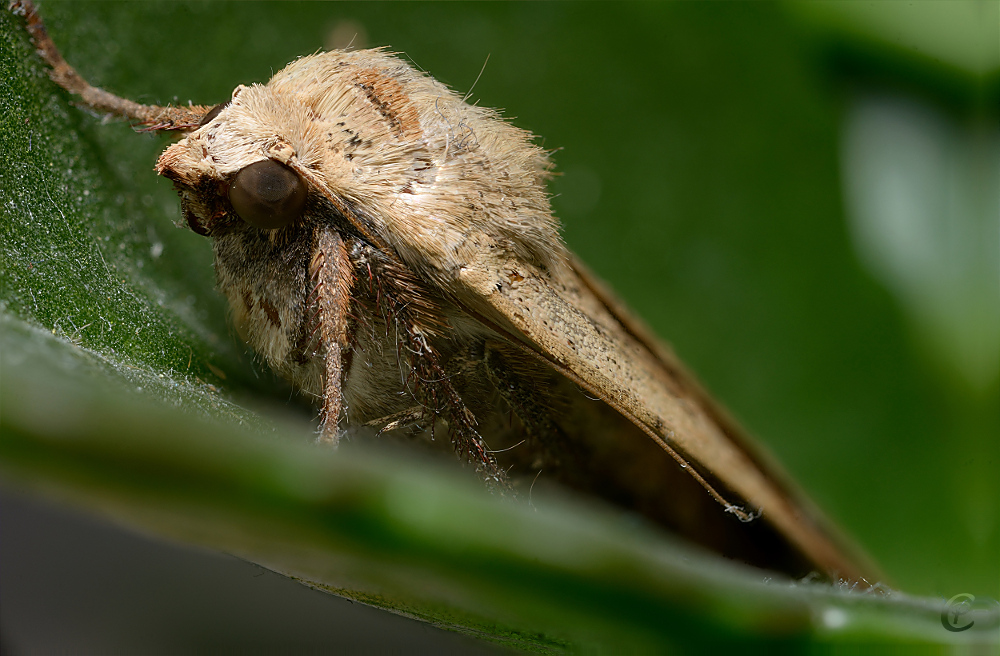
(390, 249)
(569, 326)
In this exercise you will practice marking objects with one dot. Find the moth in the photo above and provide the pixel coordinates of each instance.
(391, 251)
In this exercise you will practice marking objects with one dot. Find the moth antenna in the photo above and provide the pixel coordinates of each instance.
(153, 117)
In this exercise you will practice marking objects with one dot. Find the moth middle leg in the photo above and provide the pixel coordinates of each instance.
(431, 384)
(532, 395)
(414, 318)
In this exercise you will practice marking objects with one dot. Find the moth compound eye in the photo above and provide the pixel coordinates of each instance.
(212, 113)
(268, 195)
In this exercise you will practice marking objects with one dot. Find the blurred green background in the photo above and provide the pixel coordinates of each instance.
(800, 198)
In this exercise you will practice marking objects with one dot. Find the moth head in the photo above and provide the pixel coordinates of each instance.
(363, 140)
(351, 126)
(244, 164)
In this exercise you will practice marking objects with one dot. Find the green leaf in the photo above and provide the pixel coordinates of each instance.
(123, 392)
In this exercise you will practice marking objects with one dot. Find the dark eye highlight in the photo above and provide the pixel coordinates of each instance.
(268, 195)
(212, 113)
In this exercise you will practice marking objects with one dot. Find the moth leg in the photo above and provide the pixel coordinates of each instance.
(414, 312)
(441, 395)
(332, 274)
(549, 444)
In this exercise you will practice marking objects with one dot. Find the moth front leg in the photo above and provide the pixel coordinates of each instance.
(331, 273)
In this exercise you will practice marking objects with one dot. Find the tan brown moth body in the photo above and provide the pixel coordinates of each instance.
(390, 250)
